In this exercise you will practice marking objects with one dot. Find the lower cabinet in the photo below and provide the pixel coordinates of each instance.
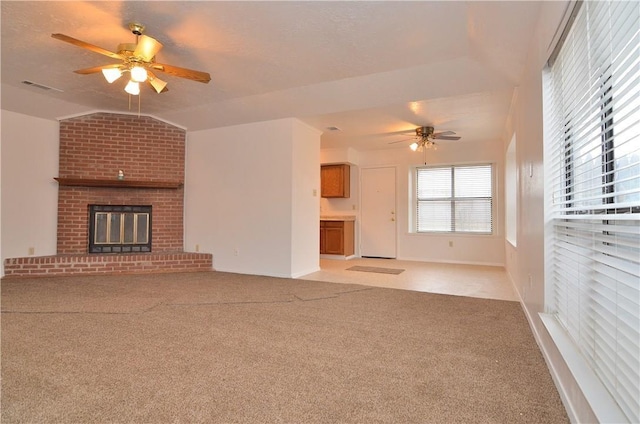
(336, 238)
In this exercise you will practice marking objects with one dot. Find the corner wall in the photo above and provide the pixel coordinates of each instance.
(305, 176)
(29, 202)
(241, 191)
(29, 195)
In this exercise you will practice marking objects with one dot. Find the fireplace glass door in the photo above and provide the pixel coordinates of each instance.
(119, 229)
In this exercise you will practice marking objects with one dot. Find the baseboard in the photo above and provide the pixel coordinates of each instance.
(337, 257)
(499, 264)
(303, 273)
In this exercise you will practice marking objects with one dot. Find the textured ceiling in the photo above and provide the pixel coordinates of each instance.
(369, 68)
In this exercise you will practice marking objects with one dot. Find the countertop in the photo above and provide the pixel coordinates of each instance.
(337, 217)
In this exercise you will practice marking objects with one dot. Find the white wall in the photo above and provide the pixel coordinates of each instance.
(344, 155)
(239, 197)
(526, 262)
(29, 194)
(305, 215)
(467, 249)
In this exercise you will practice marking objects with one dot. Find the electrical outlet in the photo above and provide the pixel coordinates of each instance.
(32, 251)
(353, 207)
(450, 243)
(236, 252)
(315, 192)
(197, 247)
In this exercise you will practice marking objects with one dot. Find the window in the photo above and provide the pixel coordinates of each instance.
(511, 193)
(454, 199)
(592, 159)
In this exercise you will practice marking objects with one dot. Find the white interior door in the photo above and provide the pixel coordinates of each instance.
(378, 212)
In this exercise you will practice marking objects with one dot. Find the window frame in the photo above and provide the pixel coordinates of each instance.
(414, 219)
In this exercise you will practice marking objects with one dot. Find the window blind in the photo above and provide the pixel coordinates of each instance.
(592, 158)
(454, 199)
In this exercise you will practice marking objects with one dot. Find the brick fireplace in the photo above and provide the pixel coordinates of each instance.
(122, 160)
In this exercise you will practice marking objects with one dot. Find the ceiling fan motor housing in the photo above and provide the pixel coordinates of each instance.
(424, 131)
(126, 49)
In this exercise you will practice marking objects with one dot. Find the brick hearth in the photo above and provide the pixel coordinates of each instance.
(95, 264)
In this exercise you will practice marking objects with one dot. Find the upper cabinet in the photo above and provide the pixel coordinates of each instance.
(335, 180)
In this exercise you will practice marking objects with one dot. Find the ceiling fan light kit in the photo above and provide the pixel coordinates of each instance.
(138, 74)
(132, 88)
(111, 74)
(138, 59)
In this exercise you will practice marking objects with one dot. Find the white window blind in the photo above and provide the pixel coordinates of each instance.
(454, 199)
(592, 156)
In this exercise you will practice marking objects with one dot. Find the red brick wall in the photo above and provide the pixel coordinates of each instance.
(97, 146)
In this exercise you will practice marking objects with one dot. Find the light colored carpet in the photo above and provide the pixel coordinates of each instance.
(375, 269)
(228, 348)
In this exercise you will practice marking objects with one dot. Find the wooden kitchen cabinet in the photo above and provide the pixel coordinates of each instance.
(335, 180)
(336, 238)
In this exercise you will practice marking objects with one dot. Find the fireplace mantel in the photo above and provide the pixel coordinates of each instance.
(115, 183)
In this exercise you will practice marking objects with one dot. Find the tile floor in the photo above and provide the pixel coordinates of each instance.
(487, 282)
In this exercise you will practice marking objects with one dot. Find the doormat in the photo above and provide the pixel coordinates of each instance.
(376, 269)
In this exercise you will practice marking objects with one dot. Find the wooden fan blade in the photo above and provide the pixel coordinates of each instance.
(438, 134)
(400, 141)
(394, 133)
(87, 46)
(447, 137)
(96, 69)
(182, 72)
(147, 48)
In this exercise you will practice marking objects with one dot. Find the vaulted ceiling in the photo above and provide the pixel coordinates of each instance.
(372, 69)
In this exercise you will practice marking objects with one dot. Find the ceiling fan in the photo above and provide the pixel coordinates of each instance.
(425, 136)
(424, 140)
(138, 59)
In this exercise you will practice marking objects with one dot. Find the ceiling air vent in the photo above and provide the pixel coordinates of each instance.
(40, 86)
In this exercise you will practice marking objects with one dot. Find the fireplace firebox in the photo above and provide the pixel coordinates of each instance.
(119, 229)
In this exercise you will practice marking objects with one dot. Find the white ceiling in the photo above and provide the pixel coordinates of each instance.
(368, 68)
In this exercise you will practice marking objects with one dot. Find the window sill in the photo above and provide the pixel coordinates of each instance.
(471, 235)
(599, 399)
